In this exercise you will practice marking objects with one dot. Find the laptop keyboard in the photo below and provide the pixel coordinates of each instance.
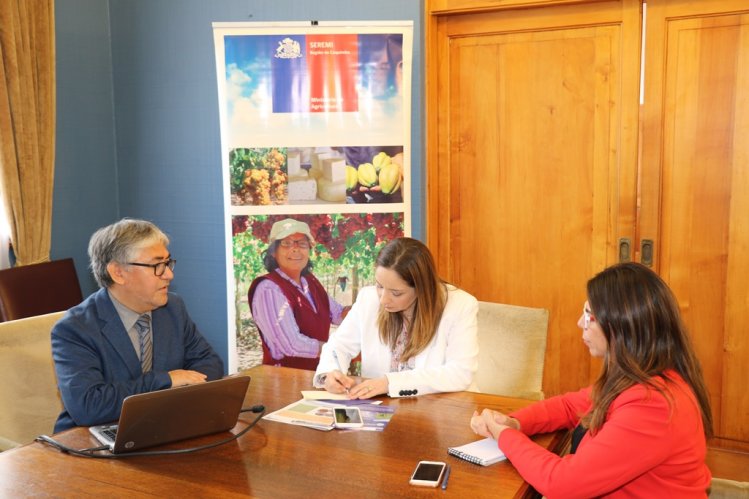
(110, 433)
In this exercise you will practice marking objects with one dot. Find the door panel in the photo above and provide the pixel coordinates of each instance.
(535, 172)
(695, 162)
(534, 196)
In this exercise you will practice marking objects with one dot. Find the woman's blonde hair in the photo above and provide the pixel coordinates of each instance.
(412, 261)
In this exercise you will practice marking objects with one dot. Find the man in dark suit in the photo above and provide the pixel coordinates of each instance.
(132, 335)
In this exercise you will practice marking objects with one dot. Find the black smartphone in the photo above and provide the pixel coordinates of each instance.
(428, 473)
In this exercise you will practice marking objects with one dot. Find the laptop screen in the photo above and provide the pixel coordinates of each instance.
(165, 416)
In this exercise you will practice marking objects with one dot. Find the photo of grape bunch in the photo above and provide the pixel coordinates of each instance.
(258, 176)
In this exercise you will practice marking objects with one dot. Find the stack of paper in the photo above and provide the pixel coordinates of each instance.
(310, 413)
(318, 414)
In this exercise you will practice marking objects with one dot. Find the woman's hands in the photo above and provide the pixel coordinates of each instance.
(491, 423)
(369, 388)
(337, 382)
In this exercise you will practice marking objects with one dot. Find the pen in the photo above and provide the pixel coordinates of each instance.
(447, 476)
(338, 362)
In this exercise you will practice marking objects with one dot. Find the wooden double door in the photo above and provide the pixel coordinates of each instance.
(564, 138)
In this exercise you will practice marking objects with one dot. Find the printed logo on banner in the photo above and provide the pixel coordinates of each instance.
(288, 49)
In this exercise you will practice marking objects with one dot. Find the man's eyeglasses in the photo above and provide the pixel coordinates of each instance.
(158, 268)
(300, 243)
(588, 317)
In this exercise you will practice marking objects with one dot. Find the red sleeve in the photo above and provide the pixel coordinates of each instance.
(555, 413)
(637, 420)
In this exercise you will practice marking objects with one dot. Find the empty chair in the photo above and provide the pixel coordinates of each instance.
(512, 347)
(730, 469)
(722, 488)
(28, 392)
(38, 289)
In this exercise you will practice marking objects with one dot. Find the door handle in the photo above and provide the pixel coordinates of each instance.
(646, 252)
(625, 250)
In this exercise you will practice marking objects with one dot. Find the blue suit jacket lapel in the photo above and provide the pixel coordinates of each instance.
(115, 333)
(167, 331)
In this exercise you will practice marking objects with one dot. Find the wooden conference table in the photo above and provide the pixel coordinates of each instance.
(279, 460)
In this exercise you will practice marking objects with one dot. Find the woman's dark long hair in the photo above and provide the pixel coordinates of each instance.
(412, 261)
(640, 319)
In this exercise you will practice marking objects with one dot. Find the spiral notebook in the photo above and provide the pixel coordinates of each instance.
(484, 452)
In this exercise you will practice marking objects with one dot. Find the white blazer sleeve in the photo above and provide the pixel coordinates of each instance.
(346, 340)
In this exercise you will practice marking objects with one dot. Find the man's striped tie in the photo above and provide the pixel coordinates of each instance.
(143, 326)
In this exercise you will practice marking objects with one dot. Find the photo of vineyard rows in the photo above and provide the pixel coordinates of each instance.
(343, 255)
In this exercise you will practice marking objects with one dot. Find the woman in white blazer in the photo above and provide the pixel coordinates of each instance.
(416, 334)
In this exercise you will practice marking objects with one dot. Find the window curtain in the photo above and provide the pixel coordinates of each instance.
(27, 124)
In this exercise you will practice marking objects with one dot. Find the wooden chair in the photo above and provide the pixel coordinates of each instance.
(512, 348)
(38, 289)
(28, 393)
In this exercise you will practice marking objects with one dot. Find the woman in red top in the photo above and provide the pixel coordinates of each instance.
(641, 429)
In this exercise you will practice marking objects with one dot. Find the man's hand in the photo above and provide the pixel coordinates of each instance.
(181, 377)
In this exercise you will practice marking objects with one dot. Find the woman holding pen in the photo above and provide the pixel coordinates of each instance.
(416, 333)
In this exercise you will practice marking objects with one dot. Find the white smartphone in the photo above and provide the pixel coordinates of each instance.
(348, 417)
(428, 473)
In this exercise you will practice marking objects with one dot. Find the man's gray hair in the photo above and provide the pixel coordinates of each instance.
(120, 242)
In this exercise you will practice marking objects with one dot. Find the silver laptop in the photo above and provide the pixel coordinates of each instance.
(164, 416)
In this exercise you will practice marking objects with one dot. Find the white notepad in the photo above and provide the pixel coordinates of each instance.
(484, 452)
